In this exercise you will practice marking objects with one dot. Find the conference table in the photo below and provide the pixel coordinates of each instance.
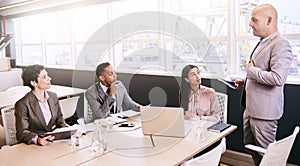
(126, 146)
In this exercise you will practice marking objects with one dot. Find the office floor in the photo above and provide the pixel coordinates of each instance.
(233, 158)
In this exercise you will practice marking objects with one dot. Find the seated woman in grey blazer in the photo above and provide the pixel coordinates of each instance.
(38, 111)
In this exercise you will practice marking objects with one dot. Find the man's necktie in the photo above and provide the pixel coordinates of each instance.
(253, 51)
(243, 98)
(112, 109)
(108, 90)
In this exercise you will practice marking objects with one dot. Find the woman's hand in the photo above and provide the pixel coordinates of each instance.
(45, 140)
(190, 116)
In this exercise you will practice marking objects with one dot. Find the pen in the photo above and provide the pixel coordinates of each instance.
(119, 122)
(46, 139)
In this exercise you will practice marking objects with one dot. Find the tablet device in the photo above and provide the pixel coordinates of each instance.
(229, 83)
(61, 134)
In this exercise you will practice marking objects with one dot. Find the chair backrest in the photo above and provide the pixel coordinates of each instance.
(278, 152)
(222, 101)
(8, 118)
(88, 112)
(68, 106)
(212, 157)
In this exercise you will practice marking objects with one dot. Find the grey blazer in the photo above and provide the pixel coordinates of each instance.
(265, 81)
(30, 119)
(101, 103)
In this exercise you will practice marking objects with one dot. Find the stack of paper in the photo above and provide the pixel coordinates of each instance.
(126, 114)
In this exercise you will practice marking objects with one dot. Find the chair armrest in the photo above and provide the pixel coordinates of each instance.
(256, 148)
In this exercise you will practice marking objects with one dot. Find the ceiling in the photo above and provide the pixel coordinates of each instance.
(17, 8)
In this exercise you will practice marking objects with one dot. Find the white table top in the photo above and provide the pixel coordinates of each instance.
(11, 96)
(124, 148)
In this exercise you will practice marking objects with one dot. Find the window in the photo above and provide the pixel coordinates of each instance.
(288, 24)
(144, 35)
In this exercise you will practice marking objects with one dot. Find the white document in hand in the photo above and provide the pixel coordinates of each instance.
(64, 129)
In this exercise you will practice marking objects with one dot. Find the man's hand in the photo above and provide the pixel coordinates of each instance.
(113, 89)
(145, 108)
(251, 64)
(238, 81)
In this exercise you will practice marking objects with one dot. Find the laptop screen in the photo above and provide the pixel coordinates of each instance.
(163, 121)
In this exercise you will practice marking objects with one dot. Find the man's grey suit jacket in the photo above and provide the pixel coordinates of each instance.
(265, 81)
(100, 103)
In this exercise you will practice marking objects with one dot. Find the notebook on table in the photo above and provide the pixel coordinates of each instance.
(165, 121)
(219, 127)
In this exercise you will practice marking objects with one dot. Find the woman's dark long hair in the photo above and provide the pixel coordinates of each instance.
(185, 87)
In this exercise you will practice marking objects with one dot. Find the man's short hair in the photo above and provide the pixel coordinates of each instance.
(31, 73)
(100, 68)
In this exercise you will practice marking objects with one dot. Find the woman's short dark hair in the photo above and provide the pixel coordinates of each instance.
(31, 73)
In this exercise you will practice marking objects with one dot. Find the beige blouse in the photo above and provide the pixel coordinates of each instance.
(204, 103)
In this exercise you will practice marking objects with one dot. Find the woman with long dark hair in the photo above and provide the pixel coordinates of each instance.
(198, 101)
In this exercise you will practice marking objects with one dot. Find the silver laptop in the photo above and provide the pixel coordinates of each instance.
(165, 121)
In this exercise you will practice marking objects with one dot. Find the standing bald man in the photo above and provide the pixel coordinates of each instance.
(266, 74)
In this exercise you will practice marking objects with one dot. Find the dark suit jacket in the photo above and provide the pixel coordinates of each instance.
(30, 120)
